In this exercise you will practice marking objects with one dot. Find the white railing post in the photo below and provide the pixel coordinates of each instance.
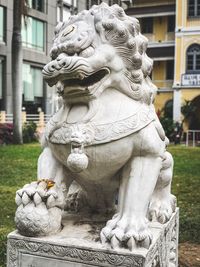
(23, 117)
(41, 119)
(187, 137)
(2, 116)
(193, 137)
(193, 133)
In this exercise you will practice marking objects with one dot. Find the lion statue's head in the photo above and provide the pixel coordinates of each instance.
(98, 49)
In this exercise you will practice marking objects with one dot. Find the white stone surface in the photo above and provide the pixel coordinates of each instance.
(177, 105)
(106, 137)
(76, 246)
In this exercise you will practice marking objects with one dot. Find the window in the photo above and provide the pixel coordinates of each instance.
(1, 78)
(193, 58)
(33, 33)
(66, 13)
(65, 9)
(112, 2)
(37, 4)
(2, 24)
(169, 69)
(90, 3)
(193, 8)
(171, 24)
(146, 25)
(70, 2)
(2, 83)
(32, 88)
(32, 82)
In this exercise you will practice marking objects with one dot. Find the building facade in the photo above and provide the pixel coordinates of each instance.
(157, 20)
(186, 84)
(37, 34)
(173, 30)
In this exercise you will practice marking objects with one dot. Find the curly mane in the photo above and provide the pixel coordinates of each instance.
(123, 33)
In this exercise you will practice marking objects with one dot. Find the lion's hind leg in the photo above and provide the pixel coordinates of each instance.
(163, 203)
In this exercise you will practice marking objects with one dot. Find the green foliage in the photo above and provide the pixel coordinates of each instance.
(166, 120)
(186, 184)
(168, 126)
(29, 132)
(188, 109)
(18, 165)
(168, 109)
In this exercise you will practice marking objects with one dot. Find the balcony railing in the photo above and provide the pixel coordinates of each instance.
(168, 40)
(163, 84)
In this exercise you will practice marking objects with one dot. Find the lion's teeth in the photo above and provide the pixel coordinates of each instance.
(60, 86)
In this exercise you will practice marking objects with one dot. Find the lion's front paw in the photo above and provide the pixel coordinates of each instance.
(40, 206)
(127, 232)
(161, 209)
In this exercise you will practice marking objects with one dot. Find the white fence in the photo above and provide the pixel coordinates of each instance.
(193, 137)
(40, 119)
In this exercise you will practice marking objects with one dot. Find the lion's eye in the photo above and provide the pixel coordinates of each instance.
(68, 30)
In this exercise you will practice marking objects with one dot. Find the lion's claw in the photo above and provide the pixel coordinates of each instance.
(161, 210)
(39, 208)
(115, 242)
(129, 232)
(131, 243)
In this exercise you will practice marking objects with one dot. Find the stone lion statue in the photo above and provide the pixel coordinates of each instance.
(104, 151)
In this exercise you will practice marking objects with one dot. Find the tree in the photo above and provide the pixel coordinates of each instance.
(188, 110)
(17, 61)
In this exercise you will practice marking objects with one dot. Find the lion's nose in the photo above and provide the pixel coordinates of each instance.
(50, 68)
(55, 65)
(75, 135)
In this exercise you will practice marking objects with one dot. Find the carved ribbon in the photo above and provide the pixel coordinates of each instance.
(91, 133)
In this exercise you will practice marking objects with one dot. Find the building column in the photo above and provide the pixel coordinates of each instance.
(177, 105)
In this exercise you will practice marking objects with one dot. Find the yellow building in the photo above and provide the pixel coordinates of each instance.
(173, 30)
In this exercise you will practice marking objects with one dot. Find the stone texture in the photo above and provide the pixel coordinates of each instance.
(78, 245)
(105, 143)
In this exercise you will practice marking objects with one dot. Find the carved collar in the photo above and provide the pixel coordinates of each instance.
(90, 133)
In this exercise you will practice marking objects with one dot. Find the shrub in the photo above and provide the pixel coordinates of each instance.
(6, 133)
(168, 126)
(29, 132)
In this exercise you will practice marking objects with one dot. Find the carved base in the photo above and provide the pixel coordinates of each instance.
(77, 245)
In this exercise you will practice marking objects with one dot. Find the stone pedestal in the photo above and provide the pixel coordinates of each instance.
(78, 245)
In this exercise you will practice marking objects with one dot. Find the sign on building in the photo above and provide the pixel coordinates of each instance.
(190, 80)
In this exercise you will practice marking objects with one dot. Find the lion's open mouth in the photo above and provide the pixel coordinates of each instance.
(85, 85)
(87, 81)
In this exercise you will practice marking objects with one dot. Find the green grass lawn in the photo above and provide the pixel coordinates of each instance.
(18, 167)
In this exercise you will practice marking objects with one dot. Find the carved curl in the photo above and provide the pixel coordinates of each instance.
(123, 32)
(120, 31)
